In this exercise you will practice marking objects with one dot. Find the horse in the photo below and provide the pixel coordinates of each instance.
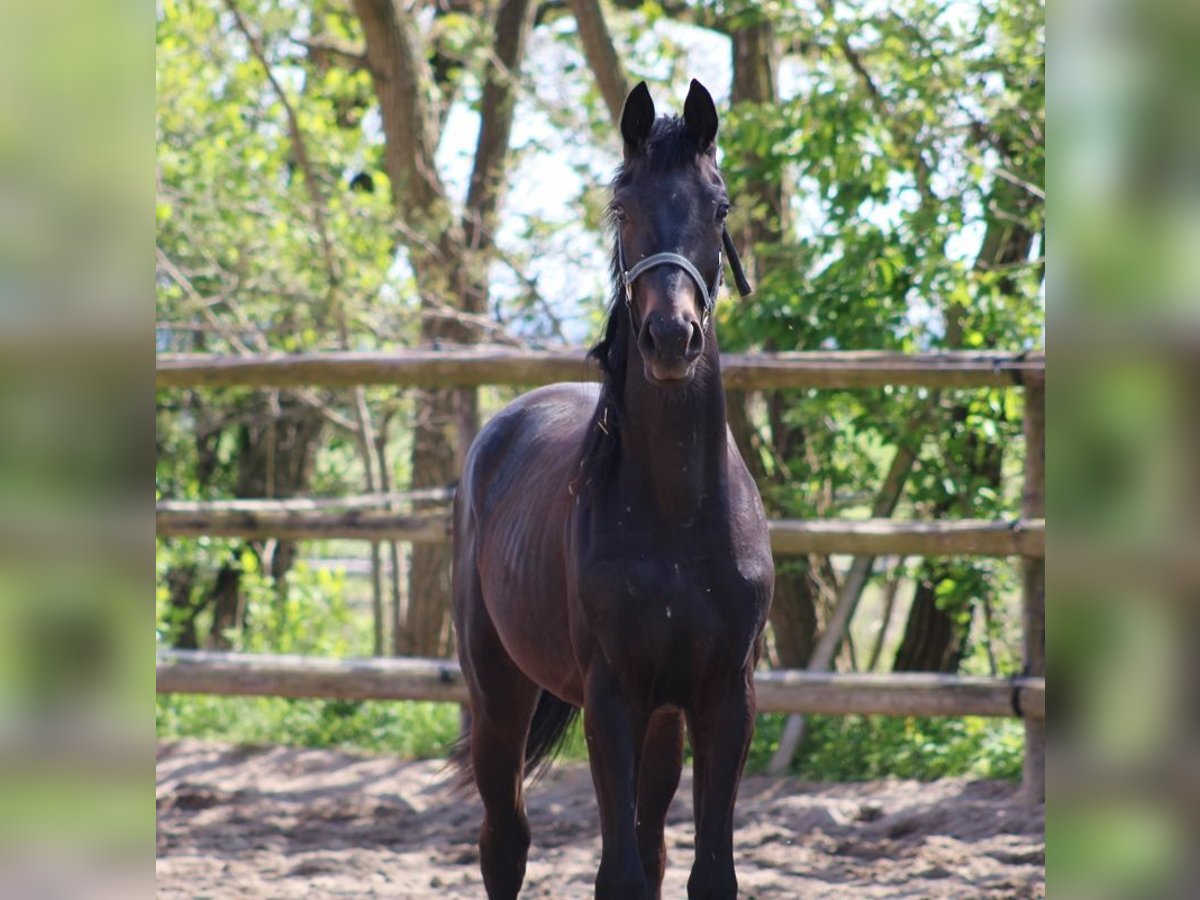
(611, 550)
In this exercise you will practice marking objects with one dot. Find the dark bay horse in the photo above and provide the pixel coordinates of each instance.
(611, 551)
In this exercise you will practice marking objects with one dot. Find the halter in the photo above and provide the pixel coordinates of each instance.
(707, 292)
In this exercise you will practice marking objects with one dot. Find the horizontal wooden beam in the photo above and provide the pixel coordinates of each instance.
(292, 525)
(892, 537)
(471, 367)
(441, 495)
(868, 537)
(268, 675)
(898, 694)
(787, 691)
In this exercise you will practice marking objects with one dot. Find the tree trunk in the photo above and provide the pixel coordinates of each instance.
(797, 593)
(933, 640)
(449, 257)
(435, 463)
(184, 610)
(793, 614)
(225, 599)
(601, 55)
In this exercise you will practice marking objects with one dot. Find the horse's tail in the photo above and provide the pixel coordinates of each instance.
(551, 721)
(460, 756)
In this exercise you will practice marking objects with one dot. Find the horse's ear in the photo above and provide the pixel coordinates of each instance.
(700, 116)
(637, 118)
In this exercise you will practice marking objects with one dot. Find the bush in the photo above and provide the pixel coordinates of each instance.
(859, 748)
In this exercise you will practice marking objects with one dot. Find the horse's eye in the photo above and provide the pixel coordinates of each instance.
(722, 211)
(618, 214)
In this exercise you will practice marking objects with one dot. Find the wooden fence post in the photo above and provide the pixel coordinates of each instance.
(1034, 583)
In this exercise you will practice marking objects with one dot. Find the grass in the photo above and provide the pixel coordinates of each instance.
(413, 730)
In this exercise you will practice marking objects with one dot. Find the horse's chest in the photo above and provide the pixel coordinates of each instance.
(692, 610)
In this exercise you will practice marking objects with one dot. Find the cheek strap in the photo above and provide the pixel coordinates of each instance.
(739, 277)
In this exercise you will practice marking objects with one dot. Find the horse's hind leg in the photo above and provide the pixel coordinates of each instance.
(502, 704)
(658, 778)
(498, 760)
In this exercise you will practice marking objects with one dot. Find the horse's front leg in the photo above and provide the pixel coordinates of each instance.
(658, 777)
(721, 728)
(613, 733)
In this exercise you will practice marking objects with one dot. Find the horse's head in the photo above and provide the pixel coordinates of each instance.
(668, 209)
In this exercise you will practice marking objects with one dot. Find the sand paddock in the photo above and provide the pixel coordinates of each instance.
(287, 822)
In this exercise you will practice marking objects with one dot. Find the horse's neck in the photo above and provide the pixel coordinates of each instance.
(674, 440)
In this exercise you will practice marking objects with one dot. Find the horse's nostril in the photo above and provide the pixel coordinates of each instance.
(646, 339)
(695, 342)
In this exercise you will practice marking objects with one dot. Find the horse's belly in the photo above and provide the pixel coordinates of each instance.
(524, 591)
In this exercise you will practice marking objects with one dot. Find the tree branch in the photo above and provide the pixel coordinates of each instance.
(403, 82)
(906, 138)
(601, 55)
(514, 19)
(334, 306)
(321, 52)
(304, 395)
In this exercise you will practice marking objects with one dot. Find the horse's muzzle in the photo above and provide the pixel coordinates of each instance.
(670, 346)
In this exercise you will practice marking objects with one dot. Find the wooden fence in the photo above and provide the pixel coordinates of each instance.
(778, 691)
(439, 680)
(866, 537)
(531, 368)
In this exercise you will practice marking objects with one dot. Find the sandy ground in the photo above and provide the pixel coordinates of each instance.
(285, 822)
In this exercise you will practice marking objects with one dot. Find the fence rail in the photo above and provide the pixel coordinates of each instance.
(461, 367)
(779, 690)
(867, 537)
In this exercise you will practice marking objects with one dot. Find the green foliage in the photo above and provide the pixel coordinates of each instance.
(318, 621)
(850, 748)
(859, 748)
(312, 617)
(308, 615)
(908, 149)
(235, 211)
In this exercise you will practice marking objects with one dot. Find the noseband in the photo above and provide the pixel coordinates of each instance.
(707, 292)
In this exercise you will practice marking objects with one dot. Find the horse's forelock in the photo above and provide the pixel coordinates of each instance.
(669, 146)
